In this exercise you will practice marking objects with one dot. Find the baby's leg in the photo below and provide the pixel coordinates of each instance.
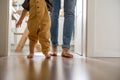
(33, 36)
(44, 34)
(31, 49)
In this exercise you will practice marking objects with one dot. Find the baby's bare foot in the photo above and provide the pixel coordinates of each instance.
(30, 56)
(47, 56)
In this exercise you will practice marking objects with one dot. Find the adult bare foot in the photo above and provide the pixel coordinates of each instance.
(66, 53)
(54, 51)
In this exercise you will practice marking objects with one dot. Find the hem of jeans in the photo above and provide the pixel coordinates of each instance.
(54, 44)
(65, 46)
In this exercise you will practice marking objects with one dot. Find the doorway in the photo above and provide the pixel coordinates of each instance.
(78, 43)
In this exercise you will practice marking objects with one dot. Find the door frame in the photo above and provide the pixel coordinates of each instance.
(84, 28)
(80, 44)
(4, 29)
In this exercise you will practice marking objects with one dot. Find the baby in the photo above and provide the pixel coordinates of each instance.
(38, 24)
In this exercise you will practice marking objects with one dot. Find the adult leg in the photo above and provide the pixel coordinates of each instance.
(69, 14)
(54, 26)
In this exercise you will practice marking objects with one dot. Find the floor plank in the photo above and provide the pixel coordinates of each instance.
(59, 68)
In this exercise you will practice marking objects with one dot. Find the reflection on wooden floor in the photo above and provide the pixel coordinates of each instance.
(58, 68)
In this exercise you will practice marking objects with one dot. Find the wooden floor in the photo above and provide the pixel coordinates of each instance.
(58, 68)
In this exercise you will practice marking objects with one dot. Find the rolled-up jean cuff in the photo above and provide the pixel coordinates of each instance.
(55, 45)
(65, 46)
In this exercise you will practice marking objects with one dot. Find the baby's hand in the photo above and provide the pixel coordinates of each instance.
(18, 24)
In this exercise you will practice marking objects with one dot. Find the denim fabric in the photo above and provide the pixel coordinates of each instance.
(69, 16)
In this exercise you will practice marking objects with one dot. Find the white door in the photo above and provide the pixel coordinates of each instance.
(78, 27)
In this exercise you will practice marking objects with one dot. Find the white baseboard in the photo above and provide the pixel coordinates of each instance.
(105, 54)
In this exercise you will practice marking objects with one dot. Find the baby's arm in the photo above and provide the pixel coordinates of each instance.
(24, 12)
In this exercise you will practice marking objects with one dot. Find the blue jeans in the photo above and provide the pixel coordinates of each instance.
(69, 16)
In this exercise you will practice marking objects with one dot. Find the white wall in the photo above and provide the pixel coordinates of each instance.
(103, 28)
(4, 23)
